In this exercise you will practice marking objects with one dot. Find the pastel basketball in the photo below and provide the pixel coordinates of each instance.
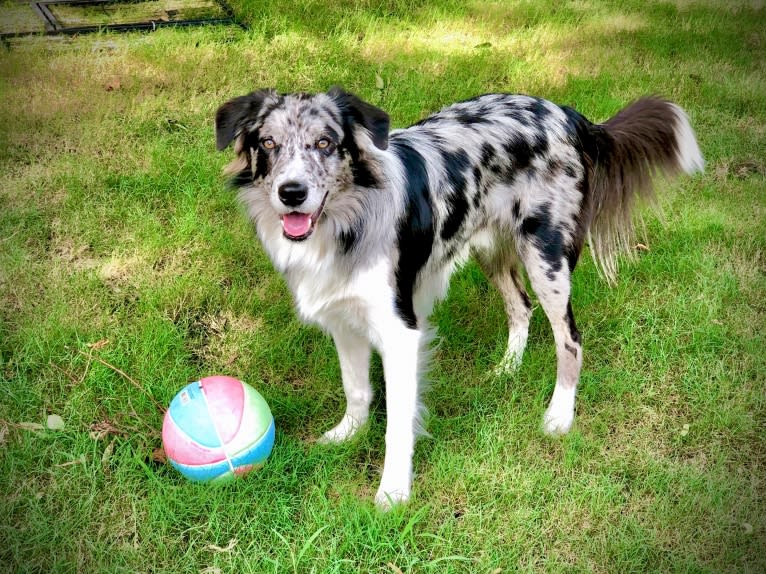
(216, 429)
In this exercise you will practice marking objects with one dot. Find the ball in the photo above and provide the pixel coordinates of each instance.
(216, 429)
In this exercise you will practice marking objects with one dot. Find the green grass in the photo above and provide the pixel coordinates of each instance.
(119, 245)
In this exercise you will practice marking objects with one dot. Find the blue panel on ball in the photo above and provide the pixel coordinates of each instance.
(190, 413)
(254, 455)
(203, 472)
(257, 452)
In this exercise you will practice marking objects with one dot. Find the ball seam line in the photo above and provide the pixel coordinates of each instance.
(217, 431)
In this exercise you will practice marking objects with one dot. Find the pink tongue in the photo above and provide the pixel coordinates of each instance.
(296, 224)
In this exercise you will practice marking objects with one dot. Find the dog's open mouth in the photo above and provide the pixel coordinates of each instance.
(298, 226)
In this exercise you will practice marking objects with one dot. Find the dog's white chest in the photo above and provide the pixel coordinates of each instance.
(329, 296)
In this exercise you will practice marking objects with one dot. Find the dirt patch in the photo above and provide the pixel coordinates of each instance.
(120, 271)
(218, 340)
(74, 255)
(738, 168)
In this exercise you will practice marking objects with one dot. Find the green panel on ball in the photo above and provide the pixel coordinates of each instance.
(256, 419)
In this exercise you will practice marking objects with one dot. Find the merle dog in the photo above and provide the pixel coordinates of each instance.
(368, 225)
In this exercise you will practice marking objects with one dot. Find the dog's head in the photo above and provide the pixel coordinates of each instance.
(298, 149)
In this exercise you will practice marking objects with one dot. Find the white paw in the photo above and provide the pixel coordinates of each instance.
(509, 364)
(344, 430)
(559, 417)
(511, 361)
(389, 496)
(556, 424)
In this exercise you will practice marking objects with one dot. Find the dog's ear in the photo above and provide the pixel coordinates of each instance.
(233, 117)
(375, 120)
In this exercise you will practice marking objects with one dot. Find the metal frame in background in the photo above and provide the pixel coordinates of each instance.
(53, 26)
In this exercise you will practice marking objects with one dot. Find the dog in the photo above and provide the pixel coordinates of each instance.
(367, 225)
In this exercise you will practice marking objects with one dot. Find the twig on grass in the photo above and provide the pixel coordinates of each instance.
(11, 236)
(78, 460)
(228, 548)
(127, 377)
(66, 373)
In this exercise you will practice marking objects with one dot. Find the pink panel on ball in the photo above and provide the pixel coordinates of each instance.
(182, 449)
(225, 397)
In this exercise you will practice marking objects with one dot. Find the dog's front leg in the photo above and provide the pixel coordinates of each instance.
(400, 349)
(354, 355)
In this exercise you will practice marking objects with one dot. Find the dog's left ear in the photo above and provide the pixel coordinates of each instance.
(375, 120)
(233, 117)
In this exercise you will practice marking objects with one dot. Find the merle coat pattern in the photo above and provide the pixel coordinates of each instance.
(367, 226)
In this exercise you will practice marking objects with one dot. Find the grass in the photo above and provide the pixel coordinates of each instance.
(120, 248)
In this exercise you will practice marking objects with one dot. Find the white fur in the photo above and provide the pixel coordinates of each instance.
(559, 416)
(354, 355)
(517, 343)
(689, 154)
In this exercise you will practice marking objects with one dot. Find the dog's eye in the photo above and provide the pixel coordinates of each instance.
(323, 143)
(268, 143)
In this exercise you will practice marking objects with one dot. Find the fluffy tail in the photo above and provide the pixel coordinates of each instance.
(649, 137)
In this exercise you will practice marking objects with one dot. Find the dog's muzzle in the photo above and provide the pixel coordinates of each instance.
(297, 226)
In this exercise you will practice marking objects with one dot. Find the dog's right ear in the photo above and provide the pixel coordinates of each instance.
(236, 115)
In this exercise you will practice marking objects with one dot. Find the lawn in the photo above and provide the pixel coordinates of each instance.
(127, 270)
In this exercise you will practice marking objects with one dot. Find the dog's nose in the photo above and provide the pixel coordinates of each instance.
(293, 193)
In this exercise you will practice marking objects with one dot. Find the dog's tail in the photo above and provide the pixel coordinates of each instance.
(649, 137)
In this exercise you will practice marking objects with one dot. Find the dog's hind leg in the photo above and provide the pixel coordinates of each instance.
(354, 355)
(551, 282)
(502, 268)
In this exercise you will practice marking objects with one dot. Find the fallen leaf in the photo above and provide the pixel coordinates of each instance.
(3, 432)
(379, 82)
(210, 570)
(55, 422)
(748, 527)
(105, 428)
(158, 455)
(31, 426)
(394, 568)
(684, 430)
(228, 548)
(99, 344)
